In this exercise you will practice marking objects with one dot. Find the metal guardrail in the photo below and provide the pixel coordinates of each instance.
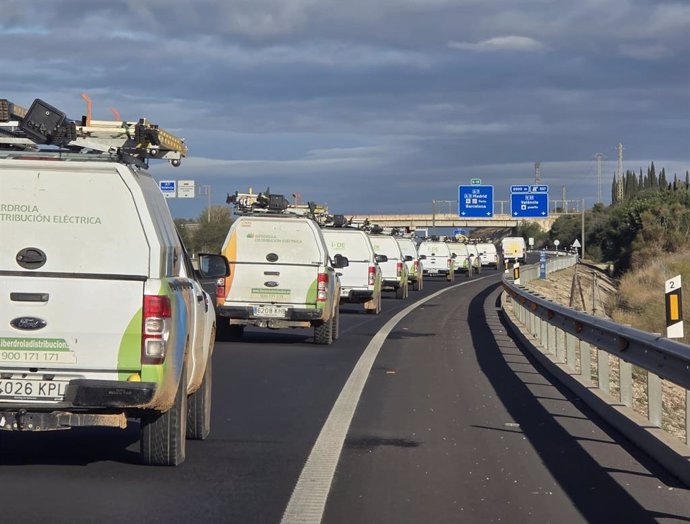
(565, 334)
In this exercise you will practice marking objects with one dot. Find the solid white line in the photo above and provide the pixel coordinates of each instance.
(308, 499)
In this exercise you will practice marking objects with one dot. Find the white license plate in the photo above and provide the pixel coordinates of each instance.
(20, 389)
(270, 311)
(433, 271)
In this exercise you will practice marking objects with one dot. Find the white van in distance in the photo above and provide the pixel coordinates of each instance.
(361, 281)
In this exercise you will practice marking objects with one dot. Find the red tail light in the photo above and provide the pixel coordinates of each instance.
(416, 265)
(155, 328)
(220, 291)
(399, 268)
(372, 275)
(322, 287)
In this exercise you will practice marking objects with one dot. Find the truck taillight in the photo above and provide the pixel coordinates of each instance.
(220, 291)
(155, 328)
(322, 287)
(399, 269)
(372, 275)
(416, 265)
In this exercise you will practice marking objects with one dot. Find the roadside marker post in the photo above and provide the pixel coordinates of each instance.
(674, 308)
(516, 273)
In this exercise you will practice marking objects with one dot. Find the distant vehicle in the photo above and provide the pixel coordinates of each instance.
(462, 254)
(488, 254)
(437, 259)
(281, 276)
(415, 266)
(361, 281)
(474, 257)
(394, 269)
(514, 249)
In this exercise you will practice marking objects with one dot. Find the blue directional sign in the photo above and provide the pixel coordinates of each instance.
(519, 189)
(168, 188)
(529, 205)
(476, 201)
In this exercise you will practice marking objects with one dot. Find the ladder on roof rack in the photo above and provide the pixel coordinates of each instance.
(269, 203)
(22, 130)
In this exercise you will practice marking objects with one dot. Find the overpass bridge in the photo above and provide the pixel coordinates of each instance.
(425, 221)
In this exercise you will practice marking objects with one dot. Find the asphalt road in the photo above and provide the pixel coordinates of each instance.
(455, 424)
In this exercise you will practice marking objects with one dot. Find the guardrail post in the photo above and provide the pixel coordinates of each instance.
(560, 345)
(603, 371)
(585, 361)
(542, 334)
(570, 356)
(687, 416)
(550, 338)
(654, 398)
(626, 382)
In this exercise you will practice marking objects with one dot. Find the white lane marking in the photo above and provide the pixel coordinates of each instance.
(308, 499)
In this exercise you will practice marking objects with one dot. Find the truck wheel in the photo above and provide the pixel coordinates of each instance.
(400, 292)
(323, 333)
(162, 437)
(336, 324)
(199, 407)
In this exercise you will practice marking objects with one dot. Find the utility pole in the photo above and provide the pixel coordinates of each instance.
(599, 157)
(206, 191)
(433, 217)
(537, 172)
(565, 205)
(583, 228)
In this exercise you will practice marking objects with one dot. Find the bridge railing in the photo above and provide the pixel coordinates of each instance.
(623, 364)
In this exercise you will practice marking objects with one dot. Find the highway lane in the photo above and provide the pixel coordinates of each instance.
(455, 425)
(271, 393)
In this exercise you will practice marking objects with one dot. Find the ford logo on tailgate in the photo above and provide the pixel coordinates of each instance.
(271, 283)
(28, 323)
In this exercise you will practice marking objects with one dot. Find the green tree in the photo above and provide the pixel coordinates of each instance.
(210, 235)
(529, 230)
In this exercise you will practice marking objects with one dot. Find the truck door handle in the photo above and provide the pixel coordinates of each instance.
(199, 298)
(29, 297)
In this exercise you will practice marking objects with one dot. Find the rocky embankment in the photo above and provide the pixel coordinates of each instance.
(583, 287)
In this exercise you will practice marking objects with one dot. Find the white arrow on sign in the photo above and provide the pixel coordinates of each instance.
(577, 243)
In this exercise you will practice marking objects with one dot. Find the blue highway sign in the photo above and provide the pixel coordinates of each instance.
(538, 189)
(476, 201)
(529, 205)
(519, 189)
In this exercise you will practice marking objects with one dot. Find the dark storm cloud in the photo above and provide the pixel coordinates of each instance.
(370, 105)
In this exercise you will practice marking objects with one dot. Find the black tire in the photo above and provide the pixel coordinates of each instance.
(226, 332)
(222, 329)
(163, 435)
(400, 292)
(323, 333)
(199, 407)
(415, 285)
(336, 324)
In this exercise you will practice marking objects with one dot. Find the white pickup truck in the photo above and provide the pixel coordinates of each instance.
(102, 317)
(281, 275)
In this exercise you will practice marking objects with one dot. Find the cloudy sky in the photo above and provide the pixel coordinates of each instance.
(373, 106)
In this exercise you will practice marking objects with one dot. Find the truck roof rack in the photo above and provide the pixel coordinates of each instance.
(267, 203)
(24, 131)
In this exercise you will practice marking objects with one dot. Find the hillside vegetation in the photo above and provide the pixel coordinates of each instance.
(644, 235)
